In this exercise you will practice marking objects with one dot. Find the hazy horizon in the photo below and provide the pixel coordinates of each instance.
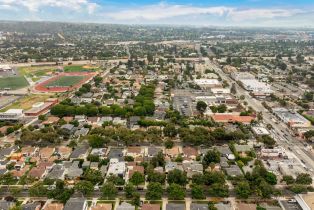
(240, 13)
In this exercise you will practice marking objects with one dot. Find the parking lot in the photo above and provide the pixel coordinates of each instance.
(6, 100)
(183, 104)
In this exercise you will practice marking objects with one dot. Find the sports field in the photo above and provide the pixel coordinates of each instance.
(79, 69)
(65, 81)
(13, 82)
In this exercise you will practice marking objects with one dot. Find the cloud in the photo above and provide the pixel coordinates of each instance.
(35, 5)
(254, 14)
(164, 11)
(6, 7)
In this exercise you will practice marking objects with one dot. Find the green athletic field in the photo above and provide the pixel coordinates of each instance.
(65, 81)
(79, 69)
(13, 82)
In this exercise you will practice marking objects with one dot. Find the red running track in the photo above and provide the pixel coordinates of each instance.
(41, 87)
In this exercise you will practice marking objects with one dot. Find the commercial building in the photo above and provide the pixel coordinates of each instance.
(220, 90)
(12, 114)
(231, 118)
(274, 153)
(208, 83)
(241, 76)
(5, 68)
(257, 88)
(41, 107)
(260, 131)
(218, 99)
(291, 118)
(306, 201)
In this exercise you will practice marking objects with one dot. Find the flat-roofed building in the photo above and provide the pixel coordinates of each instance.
(260, 131)
(12, 114)
(241, 76)
(208, 83)
(257, 88)
(117, 168)
(291, 118)
(41, 107)
(306, 201)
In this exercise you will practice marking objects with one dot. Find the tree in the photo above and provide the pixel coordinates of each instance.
(178, 177)
(129, 190)
(304, 179)
(154, 191)
(198, 179)
(271, 178)
(288, 179)
(158, 160)
(197, 192)
(309, 134)
(260, 208)
(60, 193)
(214, 177)
(175, 192)
(156, 177)
(266, 189)
(212, 156)
(219, 190)
(96, 141)
(170, 130)
(243, 190)
(211, 206)
(136, 199)
(94, 176)
(228, 60)
(116, 180)
(7, 179)
(137, 178)
(15, 207)
(201, 106)
(298, 188)
(37, 190)
(268, 141)
(169, 144)
(222, 108)
(150, 57)
(9, 130)
(109, 191)
(128, 158)
(85, 187)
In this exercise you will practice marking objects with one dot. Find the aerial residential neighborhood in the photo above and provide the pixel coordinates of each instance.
(154, 117)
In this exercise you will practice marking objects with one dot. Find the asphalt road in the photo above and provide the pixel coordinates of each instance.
(284, 138)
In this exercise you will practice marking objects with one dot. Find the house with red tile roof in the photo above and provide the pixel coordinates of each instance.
(232, 118)
(148, 206)
(190, 152)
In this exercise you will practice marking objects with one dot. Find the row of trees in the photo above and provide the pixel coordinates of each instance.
(144, 106)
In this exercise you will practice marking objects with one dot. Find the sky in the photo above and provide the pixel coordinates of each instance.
(245, 13)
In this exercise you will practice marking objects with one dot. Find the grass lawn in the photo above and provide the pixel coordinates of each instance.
(36, 71)
(27, 102)
(13, 82)
(79, 69)
(65, 81)
(310, 118)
